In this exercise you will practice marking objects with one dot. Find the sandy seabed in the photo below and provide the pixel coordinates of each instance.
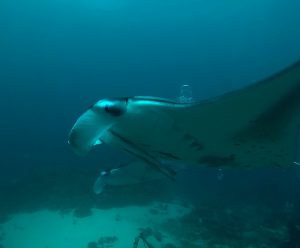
(48, 229)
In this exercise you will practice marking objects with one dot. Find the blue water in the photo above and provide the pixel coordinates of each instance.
(59, 56)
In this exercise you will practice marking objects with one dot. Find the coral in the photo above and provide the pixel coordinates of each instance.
(103, 242)
(92, 245)
(236, 226)
(146, 232)
(158, 236)
(107, 241)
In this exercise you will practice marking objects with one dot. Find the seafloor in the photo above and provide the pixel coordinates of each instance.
(57, 209)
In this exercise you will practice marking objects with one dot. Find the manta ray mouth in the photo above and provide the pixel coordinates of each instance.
(87, 132)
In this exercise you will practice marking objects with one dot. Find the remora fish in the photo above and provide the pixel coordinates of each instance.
(254, 126)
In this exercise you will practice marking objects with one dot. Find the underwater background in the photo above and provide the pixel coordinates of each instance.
(57, 57)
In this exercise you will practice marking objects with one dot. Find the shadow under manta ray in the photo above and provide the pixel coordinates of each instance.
(254, 126)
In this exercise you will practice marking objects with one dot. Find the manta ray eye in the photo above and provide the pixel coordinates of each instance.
(115, 108)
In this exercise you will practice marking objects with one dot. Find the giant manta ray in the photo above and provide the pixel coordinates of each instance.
(255, 126)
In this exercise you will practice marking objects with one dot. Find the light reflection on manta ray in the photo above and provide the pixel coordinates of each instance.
(254, 126)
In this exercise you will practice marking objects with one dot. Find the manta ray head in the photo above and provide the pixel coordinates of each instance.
(93, 124)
